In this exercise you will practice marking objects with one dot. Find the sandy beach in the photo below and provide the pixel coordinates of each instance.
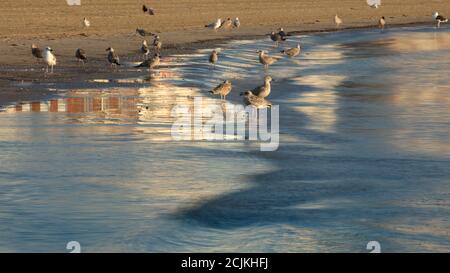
(179, 23)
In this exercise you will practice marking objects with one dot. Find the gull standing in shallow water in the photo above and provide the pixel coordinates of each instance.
(382, 22)
(283, 33)
(152, 63)
(439, 19)
(213, 58)
(255, 101)
(222, 89)
(36, 52)
(263, 90)
(276, 37)
(292, 52)
(266, 60)
(81, 56)
(113, 59)
(49, 58)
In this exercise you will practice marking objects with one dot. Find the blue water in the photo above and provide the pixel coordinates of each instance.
(364, 155)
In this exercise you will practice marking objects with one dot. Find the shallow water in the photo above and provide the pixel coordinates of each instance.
(364, 155)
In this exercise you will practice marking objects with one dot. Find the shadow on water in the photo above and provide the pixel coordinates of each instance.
(353, 178)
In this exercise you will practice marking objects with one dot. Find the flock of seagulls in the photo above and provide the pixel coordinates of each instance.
(255, 97)
(227, 24)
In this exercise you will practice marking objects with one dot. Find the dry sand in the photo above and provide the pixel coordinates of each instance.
(180, 23)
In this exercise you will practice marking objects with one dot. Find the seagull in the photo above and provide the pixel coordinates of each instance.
(374, 3)
(292, 52)
(152, 63)
(157, 44)
(113, 59)
(263, 90)
(144, 49)
(227, 24)
(255, 101)
(86, 22)
(143, 32)
(439, 19)
(36, 51)
(382, 22)
(49, 58)
(222, 89)
(80, 54)
(214, 57)
(216, 25)
(150, 11)
(283, 33)
(337, 20)
(237, 23)
(266, 60)
(276, 37)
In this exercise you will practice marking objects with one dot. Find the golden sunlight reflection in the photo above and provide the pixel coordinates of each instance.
(319, 105)
(403, 43)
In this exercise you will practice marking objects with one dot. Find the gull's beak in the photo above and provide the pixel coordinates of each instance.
(241, 94)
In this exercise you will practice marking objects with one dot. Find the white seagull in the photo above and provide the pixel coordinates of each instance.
(338, 21)
(86, 22)
(216, 25)
(49, 58)
(374, 3)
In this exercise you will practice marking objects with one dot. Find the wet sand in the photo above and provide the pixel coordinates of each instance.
(179, 23)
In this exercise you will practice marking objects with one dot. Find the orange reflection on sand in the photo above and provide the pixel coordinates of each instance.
(422, 42)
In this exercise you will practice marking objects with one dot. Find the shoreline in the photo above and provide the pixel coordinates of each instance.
(11, 92)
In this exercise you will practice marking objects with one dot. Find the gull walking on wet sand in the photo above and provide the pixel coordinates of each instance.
(292, 52)
(236, 23)
(113, 59)
(81, 56)
(36, 52)
(227, 24)
(86, 23)
(222, 89)
(143, 32)
(49, 58)
(439, 19)
(382, 22)
(216, 25)
(150, 11)
(337, 20)
(157, 44)
(263, 90)
(152, 63)
(214, 57)
(255, 101)
(145, 50)
(266, 60)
